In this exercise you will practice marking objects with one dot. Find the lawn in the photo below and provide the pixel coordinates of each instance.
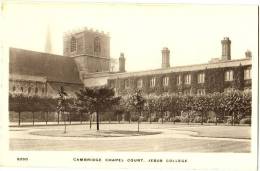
(236, 132)
(124, 137)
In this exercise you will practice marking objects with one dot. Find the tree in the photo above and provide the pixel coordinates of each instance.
(162, 103)
(34, 104)
(97, 100)
(150, 106)
(175, 105)
(137, 101)
(18, 103)
(62, 104)
(202, 105)
(232, 104)
(188, 105)
(216, 105)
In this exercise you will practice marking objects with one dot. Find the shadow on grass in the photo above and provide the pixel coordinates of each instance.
(93, 133)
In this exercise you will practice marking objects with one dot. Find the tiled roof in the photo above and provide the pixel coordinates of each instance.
(53, 67)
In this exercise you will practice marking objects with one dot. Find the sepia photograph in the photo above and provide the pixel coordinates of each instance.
(164, 82)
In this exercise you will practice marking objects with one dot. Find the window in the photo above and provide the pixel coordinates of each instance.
(228, 89)
(152, 82)
(165, 81)
(179, 80)
(247, 74)
(73, 44)
(97, 48)
(201, 92)
(42, 90)
(36, 90)
(14, 88)
(187, 92)
(112, 84)
(139, 83)
(187, 79)
(229, 75)
(29, 90)
(127, 84)
(201, 78)
(21, 89)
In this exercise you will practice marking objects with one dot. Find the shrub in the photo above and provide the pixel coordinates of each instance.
(211, 120)
(197, 119)
(245, 121)
(176, 119)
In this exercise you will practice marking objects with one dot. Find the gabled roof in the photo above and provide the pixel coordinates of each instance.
(54, 68)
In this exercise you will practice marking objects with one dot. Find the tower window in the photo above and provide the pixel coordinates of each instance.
(229, 75)
(97, 47)
(73, 45)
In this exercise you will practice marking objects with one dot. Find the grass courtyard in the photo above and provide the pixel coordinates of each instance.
(124, 137)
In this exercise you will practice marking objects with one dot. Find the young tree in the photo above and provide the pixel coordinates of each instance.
(137, 101)
(62, 104)
(98, 100)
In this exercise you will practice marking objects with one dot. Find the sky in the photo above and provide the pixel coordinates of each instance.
(193, 33)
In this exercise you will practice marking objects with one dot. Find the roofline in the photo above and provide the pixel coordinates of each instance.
(10, 48)
(185, 68)
(64, 82)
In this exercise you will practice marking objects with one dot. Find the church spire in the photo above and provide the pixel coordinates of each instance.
(48, 47)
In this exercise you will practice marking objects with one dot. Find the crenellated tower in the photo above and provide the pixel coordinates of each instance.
(90, 49)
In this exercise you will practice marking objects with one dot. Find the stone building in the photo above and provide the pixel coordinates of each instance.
(218, 75)
(86, 62)
(42, 74)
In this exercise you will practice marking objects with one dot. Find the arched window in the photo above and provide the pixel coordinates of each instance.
(42, 90)
(21, 89)
(36, 90)
(97, 47)
(73, 44)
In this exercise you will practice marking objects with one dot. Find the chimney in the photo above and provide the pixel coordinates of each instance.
(121, 63)
(248, 54)
(165, 58)
(226, 49)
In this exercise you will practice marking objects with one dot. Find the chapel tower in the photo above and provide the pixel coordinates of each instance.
(90, 49)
